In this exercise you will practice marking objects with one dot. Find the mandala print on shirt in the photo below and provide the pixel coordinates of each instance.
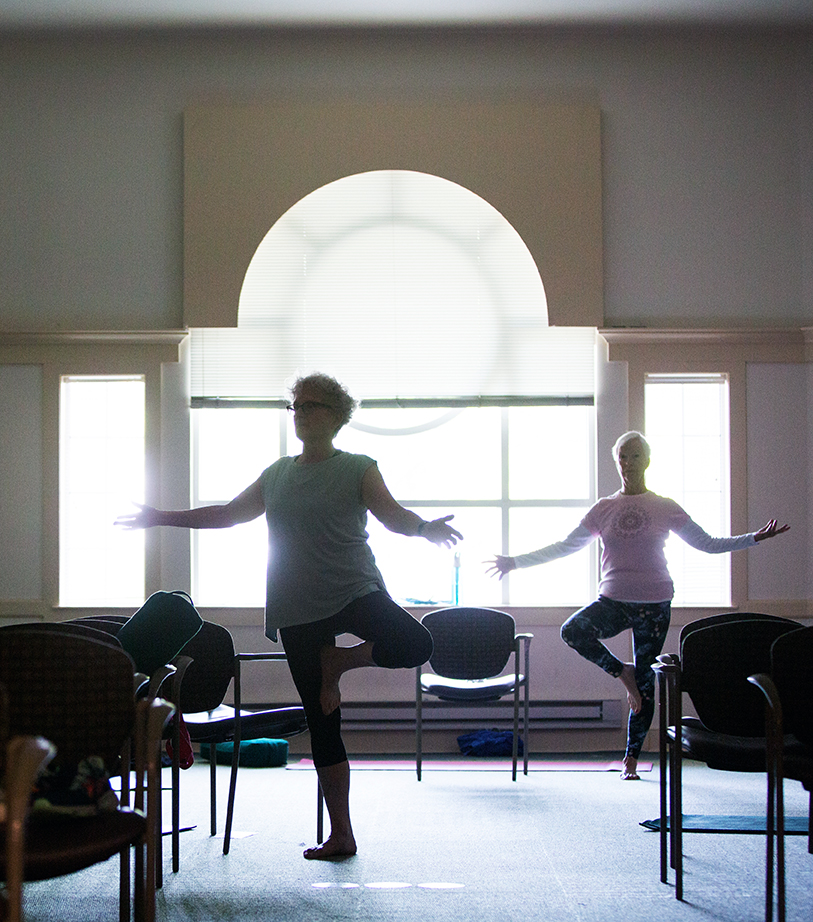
(630, 522)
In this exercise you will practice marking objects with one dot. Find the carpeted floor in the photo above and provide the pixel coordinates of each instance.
(555, 846)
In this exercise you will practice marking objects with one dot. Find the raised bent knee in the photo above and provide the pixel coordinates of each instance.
(569, 633)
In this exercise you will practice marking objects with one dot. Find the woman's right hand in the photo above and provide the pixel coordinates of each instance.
(500, 565)
(146, 517)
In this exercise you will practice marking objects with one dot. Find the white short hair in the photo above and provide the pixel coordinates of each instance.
(630, 436)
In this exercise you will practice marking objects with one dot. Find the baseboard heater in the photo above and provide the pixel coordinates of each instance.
(442, 715)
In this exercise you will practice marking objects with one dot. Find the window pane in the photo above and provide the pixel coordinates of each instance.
(233, 447)
(431, 454)
(229, 565)
(687, 427)
(435, 461)
(569, 581)
(101, 474)
(418, 572)
(549, 451)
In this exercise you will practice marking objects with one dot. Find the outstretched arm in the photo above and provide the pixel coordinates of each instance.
(699, 539)
(580, 537)
(396, 518)
(243, 508)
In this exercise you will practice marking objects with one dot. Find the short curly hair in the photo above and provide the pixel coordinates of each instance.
(335, 393)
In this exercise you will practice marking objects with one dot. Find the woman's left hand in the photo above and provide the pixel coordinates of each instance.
(770, 530)
(438, 531)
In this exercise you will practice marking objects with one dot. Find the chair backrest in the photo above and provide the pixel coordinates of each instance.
(206, 679)
(470, 643)
(716, 661)
(107, 625)
(792, 672)
(73, 689)
(158, 631)
(724, 619)
(65, 627)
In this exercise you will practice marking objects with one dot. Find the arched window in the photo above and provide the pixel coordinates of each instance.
(423, 299)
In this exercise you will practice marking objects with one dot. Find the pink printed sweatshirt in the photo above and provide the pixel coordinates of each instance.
(633, 531)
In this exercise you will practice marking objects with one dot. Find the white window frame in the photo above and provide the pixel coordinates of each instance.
(203, 561)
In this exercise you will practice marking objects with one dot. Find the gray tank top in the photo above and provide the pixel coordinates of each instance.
(318, 556)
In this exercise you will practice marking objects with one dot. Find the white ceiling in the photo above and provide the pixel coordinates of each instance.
(118, 13)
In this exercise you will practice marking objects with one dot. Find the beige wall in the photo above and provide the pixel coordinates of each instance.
(538, 163)
(707, 246)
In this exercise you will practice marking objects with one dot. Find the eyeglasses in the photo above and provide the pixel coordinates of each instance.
(308, 406)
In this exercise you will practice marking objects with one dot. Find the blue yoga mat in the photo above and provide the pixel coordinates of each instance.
(744, 825)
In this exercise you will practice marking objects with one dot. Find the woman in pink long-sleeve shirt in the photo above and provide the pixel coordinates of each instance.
(635, 588)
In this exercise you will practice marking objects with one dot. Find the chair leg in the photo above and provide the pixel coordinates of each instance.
(235, 761)
(770, 834)
(212, 789)
(810, 825)
(515, 745)
(176, 793)
(418, 722)
(527, 739)
(159, 836)
(139, 888)
(664, 821)
(124, 886)
(152, 868)
(525, 726)
(663, 755)
(780, 848)
(677, 818)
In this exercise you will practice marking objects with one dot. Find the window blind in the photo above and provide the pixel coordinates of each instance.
(402, 285)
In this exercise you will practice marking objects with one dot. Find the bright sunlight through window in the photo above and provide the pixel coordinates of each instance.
(487, 466)
(687, 427)
(101, 463)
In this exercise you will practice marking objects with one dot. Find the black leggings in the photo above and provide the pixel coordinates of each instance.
(399, 642)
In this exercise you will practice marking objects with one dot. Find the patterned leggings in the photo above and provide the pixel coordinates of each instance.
(605, 618)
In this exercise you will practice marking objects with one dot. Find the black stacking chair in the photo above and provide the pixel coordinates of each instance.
(472, 647)
(77, 692)
(207, 667)
(788, 691)
(716, 657)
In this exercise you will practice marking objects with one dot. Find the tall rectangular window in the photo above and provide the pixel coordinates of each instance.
(687, 425)
(101, 472)
(514, 477)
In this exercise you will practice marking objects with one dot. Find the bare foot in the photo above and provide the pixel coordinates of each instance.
(629, 772)
(633, 695)
(334, 848)
(330, 695)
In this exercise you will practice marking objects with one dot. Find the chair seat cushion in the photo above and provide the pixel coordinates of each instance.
(724, 752)
(57, 846)
(720, 751)
(218, 726)
(469, 689)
